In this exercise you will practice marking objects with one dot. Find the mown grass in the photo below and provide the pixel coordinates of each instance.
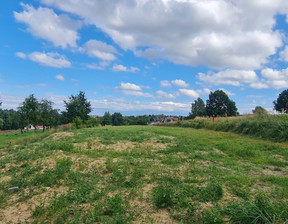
(144, 175)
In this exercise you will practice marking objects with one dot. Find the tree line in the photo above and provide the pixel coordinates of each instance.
(77, 109)
(219, 104)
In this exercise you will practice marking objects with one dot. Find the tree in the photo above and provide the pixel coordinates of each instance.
(29, 111)
(281, 104)
(219, 104)
(259, 110)
(117, 119)
(48, 115)
(197, 108)
(77, 106)
(106, 120)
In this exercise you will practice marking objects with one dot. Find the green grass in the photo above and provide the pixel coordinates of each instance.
(143, 174)
(268, 127)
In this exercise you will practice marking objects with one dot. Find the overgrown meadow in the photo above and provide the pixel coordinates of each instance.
(142, 175)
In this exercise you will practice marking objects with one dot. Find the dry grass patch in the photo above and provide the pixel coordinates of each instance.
(59, 135)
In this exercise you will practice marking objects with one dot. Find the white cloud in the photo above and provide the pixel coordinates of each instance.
(230, 34)
(284, 54)
(100, 50)
(122, 105)
(137, 93)
(50, 59)
(60, 77)
(129, 86)
(131, 89)
(21, 55)
(227, 92)
(228, 77)
(46, 24)
(122, 68)
(276, 79)
(259, 85)
(165, 83)
(180, 83)
(162, 94)
(189, 92)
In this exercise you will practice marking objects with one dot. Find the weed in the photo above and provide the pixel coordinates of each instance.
(261, 210)
(212, 192)
(162, 196)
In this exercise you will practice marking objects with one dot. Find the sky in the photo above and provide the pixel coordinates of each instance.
(144, 56)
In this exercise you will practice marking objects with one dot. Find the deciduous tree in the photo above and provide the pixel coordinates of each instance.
(77, 106)
(29, 111)
(106, 120)
(197, 108)
(219, 104)
(117, 119)
(281, 104)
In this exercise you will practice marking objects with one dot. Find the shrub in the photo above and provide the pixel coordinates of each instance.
(77, 123)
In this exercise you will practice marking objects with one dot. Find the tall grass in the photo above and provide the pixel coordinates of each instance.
(268, 127)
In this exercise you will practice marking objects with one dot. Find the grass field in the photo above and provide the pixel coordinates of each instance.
(142, 175)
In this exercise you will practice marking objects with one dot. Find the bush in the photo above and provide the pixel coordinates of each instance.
(77, 123)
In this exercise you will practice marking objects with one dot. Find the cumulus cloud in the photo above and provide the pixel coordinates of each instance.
(46, 24)
(180, 83)
(50, 59)
(60, 77)
(129, 87)
(165, 83)
(122, 68)
(100, 50)
(274, 78)
(228, 77)
(220, 34)
(165, 95)
(189, 92)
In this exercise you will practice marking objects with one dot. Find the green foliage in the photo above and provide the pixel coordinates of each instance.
(77, 122)
(219, 104)
(10, 119)
(47, 115)
(29, 111)
(64, 146)
(259, 110)
(212, 192)
(198, 108)
(92, 122)
(77, 106)
(260, 210)
(212, 216)
(281, 104)
(117, 119)
(106, 120)
(162, 196)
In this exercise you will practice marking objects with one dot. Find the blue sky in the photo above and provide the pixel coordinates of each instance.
(144, 56)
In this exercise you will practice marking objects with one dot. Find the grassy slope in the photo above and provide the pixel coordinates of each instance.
(268, 127)
(143, 175)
